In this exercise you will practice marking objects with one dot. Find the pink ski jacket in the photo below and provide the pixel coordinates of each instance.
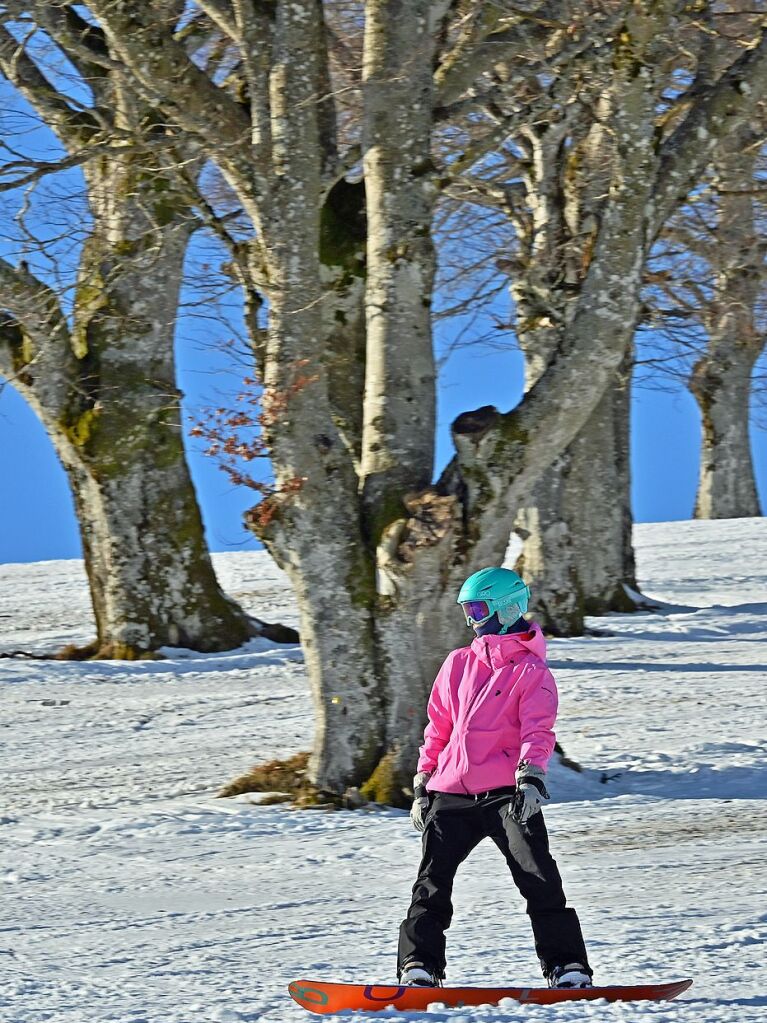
(492, 704)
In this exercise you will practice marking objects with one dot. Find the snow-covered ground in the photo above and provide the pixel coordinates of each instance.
(133, 895)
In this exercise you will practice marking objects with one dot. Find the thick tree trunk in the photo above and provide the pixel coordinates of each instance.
(400, 382)
(343, 239)
(600, 512)
(721, 384)
(721, 379)
(314, 533)
(106, 392)
(547, 559)
(578, 556)
(377, 583)
(312, 525)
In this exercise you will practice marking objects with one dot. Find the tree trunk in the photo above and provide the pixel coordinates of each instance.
(105, 390)
(576, 529)
(721, 379)
(721, 384)
(376, 559)
(578, 556)
(600, 511)
(400, 380)
(312, 524)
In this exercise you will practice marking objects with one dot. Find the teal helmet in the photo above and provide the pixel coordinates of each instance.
(494, 590)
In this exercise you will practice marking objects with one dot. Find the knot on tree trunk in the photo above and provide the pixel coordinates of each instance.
(706, 379)
(474, 425)
(431, 519)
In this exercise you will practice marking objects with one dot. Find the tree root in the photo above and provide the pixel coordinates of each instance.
(91, 652)
(385, 784)
(286, 781)
(274, 631)
(106, 652)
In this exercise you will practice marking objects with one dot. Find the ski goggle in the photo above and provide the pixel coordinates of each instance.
(477, 612)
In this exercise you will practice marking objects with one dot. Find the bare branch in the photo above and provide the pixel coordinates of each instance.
(718, 111)
(74, 127)
(58, 26)
(41, 168)
(163, 73)
(254, 31)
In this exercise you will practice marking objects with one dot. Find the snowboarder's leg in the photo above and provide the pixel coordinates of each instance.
(556, 928)
(453, 829)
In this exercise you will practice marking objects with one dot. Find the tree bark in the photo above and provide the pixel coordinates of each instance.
(375, 551)
(105, 390)
(400, 380)
(313, 529)
(601, 514)
(721, 379)
(578, 556)
(576, 529)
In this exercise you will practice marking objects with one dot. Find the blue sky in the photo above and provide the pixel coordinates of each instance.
(36, 515)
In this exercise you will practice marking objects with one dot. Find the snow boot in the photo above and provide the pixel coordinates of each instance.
(571, 975)
(415, 974)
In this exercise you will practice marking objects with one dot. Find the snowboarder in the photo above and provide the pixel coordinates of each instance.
(482, 774)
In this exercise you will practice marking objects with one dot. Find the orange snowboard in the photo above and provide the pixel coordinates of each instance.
(322, 998)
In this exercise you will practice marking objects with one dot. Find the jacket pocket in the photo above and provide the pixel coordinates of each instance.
(482, 744)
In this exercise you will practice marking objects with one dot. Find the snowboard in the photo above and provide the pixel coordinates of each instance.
(325, 998)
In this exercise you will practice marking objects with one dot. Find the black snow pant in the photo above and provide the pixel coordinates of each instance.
(454, 826)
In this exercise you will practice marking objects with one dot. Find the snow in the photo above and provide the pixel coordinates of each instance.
(133, 895)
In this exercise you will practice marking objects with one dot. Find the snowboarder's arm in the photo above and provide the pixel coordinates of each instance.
(537, 713)
(440, 725)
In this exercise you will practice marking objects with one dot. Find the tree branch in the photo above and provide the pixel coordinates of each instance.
(74, 127)
(33, 304)
(41, 168)
(720, 109)
(254, 36)
(54, 23)
(163, 74)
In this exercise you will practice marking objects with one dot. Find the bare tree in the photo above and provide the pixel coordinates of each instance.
(375, 550)
(706, 288)
(577, 527)
(102, 378)
(721, 378)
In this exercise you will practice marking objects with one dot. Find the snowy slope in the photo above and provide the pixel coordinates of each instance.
(133, 895)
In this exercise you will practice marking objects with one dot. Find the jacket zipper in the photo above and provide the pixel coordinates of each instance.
(474, 699)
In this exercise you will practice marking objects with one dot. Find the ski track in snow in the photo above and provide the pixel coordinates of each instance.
(133, 895)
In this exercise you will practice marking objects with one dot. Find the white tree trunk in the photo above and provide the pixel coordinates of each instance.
(400, 381)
